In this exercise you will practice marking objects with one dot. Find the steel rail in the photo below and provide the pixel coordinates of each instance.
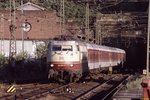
(117, 88)
(92, 92)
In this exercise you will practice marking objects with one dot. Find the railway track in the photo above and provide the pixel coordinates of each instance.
(28, 91)
(90, 89)
(106, 90)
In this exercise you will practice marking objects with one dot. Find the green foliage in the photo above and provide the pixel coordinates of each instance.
(51, 4)
(2, 59)
(72, 10)
(22, 55)
(75, 12)
(4, 5)
(42, 50)
(135, 84)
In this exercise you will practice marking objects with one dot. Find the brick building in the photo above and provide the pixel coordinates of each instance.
(44, 25)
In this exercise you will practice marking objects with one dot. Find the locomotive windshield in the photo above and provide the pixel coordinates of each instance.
(56, 48)
(62, 48)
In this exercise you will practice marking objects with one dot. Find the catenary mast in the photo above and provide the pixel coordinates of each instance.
(12, 28)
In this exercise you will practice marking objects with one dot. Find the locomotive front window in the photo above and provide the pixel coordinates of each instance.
(62, 48)
(66, 48)
(56, 48)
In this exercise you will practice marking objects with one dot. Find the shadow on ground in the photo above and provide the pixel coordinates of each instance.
(29, 70)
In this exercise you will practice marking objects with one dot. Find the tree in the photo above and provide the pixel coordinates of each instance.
(42, 50)
(2, 59)
(22, 55)
(75, 12)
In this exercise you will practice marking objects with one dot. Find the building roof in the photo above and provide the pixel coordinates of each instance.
(30, 6)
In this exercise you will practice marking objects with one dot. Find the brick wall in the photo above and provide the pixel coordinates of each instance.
(45, 24)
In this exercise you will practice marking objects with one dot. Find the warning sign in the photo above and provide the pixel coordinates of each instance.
(144, 71)
(11, 89)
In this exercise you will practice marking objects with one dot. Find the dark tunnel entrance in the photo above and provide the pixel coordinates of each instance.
(135, 52)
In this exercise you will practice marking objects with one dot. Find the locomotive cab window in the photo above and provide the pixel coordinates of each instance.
(56, 48)
(66, 48)
(62, 48)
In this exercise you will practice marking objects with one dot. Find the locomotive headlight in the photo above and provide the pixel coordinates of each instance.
(71, 65)
(52, 65)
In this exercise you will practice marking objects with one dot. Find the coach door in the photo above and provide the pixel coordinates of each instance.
(83, 58)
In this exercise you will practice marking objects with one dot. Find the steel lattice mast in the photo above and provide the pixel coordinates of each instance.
(2, 33)
(87, 29)
(62, 16)
(12, 28)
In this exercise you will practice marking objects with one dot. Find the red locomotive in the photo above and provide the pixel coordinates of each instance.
(74, 59)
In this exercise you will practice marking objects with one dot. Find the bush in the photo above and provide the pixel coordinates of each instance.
(42, 50)
(21, 56)
(2, 59)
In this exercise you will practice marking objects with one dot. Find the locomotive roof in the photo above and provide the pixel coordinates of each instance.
(61, 42)
(90, 46)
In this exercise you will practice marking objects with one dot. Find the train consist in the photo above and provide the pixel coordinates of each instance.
(71, 60)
